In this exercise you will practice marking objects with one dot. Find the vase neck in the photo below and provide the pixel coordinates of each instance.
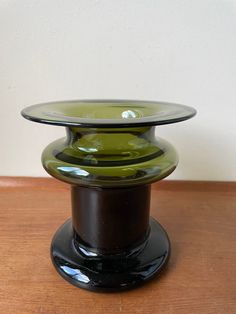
(115, 144)
(75, 133)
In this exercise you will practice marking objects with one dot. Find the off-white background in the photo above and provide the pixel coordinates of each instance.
(171, 50)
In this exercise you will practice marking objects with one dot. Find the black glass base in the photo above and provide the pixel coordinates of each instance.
(98, 272)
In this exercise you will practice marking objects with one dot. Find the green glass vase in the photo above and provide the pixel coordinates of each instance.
(110, 156)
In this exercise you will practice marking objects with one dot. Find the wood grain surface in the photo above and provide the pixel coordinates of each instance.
(200, 218)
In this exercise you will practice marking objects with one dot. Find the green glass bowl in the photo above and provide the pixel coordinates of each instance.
(110, 156)
(109, 143)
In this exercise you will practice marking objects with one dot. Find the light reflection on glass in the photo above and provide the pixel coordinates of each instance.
(88, 149)
(75, 273)
(128, 114)
(75, 171)
(87, 253)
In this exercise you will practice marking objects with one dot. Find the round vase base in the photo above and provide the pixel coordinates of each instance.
(103, 272)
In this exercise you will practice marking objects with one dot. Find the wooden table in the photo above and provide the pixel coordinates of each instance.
(200, 218)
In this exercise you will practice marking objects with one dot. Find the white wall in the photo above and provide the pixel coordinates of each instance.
(171, 50)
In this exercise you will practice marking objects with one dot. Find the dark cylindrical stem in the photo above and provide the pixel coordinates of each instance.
(110, 220)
